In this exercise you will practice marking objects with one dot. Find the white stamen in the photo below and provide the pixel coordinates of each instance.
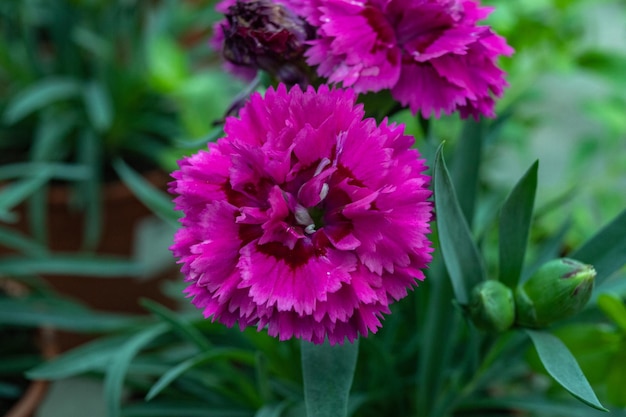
(324, 191)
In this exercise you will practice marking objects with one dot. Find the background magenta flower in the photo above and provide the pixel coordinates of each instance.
(305, 218)
(431, 54)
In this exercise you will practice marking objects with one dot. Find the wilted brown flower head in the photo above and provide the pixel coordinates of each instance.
(266, 35)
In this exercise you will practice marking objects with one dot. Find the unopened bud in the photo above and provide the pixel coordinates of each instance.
(559, 289)
(266, 35)
(491, 306)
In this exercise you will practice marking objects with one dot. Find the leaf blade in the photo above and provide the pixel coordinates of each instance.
(156, 200)
(70, 264)
(116, 373)
(514, 228)
(62, 315)
(40, 95)
(465, 167)
(172, 374)
(562, 366)
(606, 250)
(98, 105)
(460, 254)
(181, 326)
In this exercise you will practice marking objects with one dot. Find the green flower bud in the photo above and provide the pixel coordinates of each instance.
(491, 306)
(559, 289)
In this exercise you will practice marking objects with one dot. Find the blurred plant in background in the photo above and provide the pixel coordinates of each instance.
(138, 86)
(91, 86)
(569, 98)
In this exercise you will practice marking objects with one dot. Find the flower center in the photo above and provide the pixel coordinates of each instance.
(317, 215)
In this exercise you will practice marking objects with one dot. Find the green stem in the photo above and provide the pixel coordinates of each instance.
(328, 372)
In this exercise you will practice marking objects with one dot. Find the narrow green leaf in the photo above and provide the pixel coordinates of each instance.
(53, 128)
(606, 250)
(273, 410)
(90, 152)
(438, 322)
(156, 200)
(328, 372)
(465, 166)
(179, 325)
(93, 43)
(120, 361)
(17, 191)
(614, 308)
(562, 366)
(63, 315)
(39, 95)
(37, 207)
(537, 406)
(200, 359)
(181, 409)
(18, 241)
(459, 251)
(515, 219)
(93, 356)
(55, 170)
(98, 106)
(71, 264)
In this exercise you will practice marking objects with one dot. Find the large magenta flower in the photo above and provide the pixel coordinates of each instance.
(305, 218)
(430, 53)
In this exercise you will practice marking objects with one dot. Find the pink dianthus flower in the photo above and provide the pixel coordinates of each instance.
(430, 53)
(305, 218)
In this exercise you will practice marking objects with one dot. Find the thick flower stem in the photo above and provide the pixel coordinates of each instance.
(328, 372)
